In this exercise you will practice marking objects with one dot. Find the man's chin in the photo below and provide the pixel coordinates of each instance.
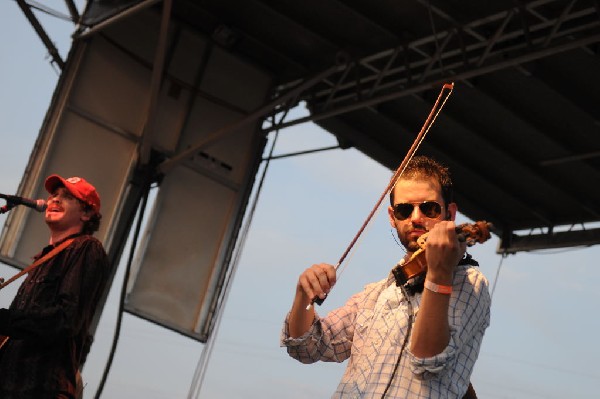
(51, 221)
(410, 246)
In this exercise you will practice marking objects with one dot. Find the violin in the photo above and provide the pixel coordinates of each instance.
(472, 234)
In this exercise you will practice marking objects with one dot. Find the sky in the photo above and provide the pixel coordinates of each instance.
(542, 342)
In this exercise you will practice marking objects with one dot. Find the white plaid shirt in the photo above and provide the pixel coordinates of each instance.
(371, 327)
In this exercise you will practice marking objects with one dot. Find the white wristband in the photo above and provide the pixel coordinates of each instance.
(440, 289)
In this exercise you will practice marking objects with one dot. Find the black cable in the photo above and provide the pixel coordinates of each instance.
(411, 316)
(123, 291)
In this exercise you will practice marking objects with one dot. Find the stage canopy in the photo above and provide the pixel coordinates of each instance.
(521, 131)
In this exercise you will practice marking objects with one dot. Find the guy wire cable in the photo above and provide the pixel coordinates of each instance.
(200, 371)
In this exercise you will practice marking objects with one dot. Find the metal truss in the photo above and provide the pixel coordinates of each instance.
(518, 35)
(35, 23)
(512, 243)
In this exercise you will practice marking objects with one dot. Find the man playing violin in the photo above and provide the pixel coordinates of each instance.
(417, 337)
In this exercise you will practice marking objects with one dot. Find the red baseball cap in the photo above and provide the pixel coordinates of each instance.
(78, 187)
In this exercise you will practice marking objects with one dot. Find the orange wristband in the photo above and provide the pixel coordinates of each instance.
(440, 289)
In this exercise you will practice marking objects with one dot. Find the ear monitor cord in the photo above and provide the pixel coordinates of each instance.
(411, 315)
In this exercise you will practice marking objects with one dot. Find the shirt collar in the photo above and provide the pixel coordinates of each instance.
(50, 247)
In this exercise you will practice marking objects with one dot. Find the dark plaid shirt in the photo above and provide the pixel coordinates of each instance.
(48, 322)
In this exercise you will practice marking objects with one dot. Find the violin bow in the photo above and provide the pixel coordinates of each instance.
(435, 110)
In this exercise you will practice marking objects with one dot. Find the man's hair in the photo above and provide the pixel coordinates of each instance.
(93, 224)
(422, 167)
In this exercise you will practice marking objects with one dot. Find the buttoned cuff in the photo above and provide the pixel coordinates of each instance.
(433, 367)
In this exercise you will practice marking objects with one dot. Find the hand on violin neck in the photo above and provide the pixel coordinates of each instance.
(444, 251)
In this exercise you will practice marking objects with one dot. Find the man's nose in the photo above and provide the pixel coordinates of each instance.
(416, 214)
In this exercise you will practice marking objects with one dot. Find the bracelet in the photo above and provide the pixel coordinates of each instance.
(440, 289)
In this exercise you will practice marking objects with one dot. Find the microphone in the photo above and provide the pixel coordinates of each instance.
(12, 200)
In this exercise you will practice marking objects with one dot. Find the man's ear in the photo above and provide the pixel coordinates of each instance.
(451, 210)
(391, 216)
(86, 215)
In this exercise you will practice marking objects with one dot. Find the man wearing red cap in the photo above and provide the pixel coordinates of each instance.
(48, 321)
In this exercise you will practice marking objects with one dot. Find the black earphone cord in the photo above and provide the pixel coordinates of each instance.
(408, 332)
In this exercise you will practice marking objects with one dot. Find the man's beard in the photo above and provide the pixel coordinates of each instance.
(410, 245)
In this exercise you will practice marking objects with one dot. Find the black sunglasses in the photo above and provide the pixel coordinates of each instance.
(431, 209)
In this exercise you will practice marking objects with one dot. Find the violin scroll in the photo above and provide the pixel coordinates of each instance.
(478, 232)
